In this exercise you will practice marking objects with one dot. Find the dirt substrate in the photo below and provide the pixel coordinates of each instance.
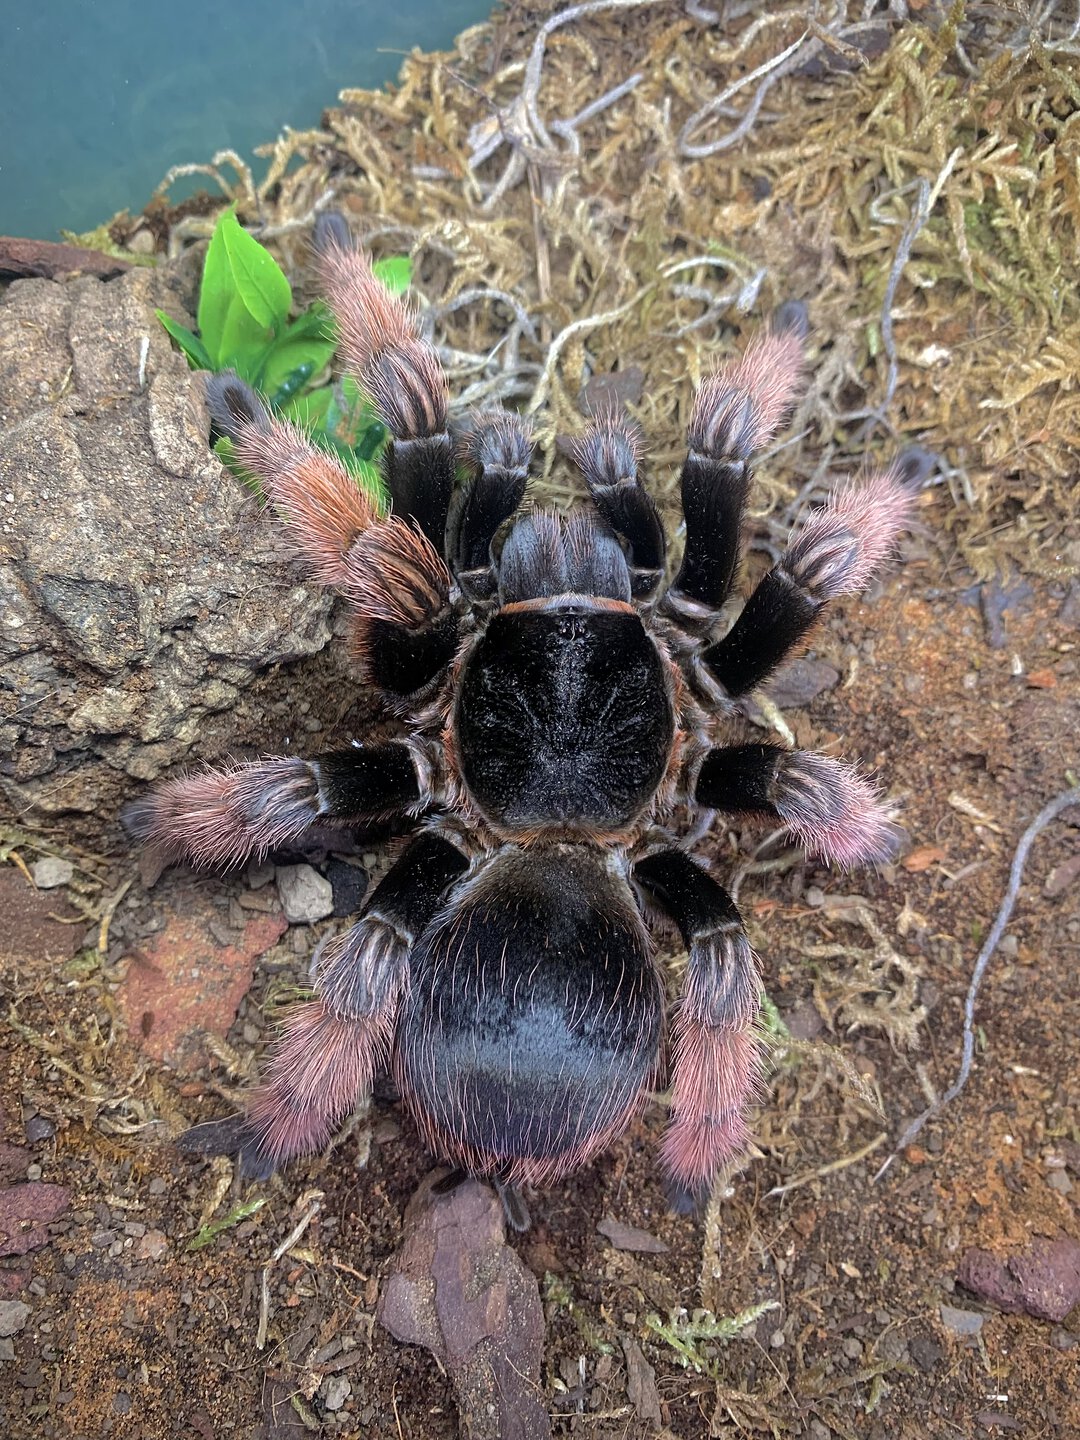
(956, 680)
(131, 1333)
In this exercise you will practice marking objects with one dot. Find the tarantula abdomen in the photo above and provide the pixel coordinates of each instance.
(559, 720)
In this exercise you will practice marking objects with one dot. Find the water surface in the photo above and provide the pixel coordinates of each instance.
(98, 98)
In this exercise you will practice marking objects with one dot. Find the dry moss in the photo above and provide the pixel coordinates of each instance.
(626, 184)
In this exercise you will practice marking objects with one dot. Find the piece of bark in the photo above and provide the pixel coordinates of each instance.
(458, 1289)
(641, 1383)
(24, 259)
(629, 1237)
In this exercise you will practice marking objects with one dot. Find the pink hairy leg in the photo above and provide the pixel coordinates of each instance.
(715, 1049)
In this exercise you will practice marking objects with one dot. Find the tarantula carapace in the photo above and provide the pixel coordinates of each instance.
(562, 719)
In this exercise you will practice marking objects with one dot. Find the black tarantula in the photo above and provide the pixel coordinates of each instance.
(563, 719)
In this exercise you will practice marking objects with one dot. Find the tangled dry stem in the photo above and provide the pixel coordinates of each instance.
(618, 183)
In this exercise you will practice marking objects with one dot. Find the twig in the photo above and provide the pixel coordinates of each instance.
(314, 1198)
(1049, 812)
(830, 1169)
(768, 72)
(534, 68)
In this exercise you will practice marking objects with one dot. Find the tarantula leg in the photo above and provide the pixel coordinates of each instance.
(736, 412)
(836, 552)
(608, 455)
(826, 804)
(715, 1047)
(399, 372)
(330, 1047)
(395, 580)
(220, 817)
(498, 448)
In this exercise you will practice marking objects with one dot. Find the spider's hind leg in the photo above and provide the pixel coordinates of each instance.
(736, 412)
(716, 1060)
(330, 1047)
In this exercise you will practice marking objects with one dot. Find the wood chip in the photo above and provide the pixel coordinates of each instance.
(629, 1237)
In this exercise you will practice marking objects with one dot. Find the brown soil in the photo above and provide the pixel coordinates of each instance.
(962, 691)
(130, 1337)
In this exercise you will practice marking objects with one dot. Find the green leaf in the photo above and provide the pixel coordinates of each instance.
(210, 1232)
(189, 343)
(395, 273)
(287, 355)
(309, 410)
(371, 440)
(216, 293)
(317, 322)
(257, 277)
(223, 449)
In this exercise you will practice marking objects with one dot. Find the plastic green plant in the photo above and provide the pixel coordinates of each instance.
(243, 325)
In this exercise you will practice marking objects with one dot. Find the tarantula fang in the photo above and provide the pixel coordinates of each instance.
(562, 716)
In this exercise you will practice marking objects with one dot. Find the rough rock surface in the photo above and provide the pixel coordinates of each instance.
(145, 601)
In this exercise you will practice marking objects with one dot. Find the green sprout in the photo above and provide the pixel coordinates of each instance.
(688, 1334)
(243, 325)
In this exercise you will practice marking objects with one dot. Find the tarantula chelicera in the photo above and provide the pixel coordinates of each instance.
(562, 717)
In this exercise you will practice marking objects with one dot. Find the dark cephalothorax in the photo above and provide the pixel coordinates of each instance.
(564, 720)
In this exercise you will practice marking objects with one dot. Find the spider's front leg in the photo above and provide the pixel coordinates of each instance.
(396, 581)
(608, 455)
(715, 1048)
(326, 1057)
(835, 552)
(221, 817)
(736, 413)
(401, 375)
(827, 805)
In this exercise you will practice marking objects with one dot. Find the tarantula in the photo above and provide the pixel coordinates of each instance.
(563, 719)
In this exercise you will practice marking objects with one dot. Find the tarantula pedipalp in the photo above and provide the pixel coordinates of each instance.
(560, 715)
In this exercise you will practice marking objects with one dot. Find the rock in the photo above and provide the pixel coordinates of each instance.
(456, 1287)
(33, 936)
(25, 1210)
(961, 1322)
(49, 872)
(13, 1316)
(1044, 1281)
(801, 681)
(334, 1391)
(151, 1246)
(629, 1237)
(145, 601)
(641, 1388)
(182, 984)
(39, 1127)
(305, 895)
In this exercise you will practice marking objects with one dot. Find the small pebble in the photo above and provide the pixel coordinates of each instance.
(335, 1390)
(121, 1402)
(49, 872)
(1059, 1181)
(13, 1316)
(305, 895)
(258, 873)
(961, 1322)
(39, 1127)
